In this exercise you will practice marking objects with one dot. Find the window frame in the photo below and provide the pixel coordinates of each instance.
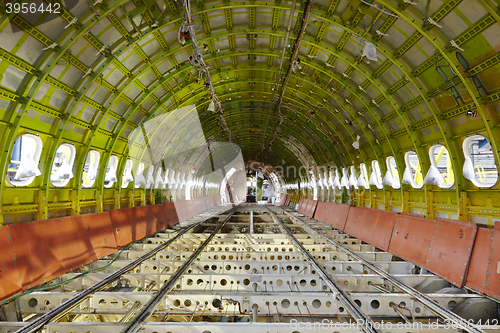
(108, 169)
(353, 174)
(432, 158)
(150, 175)
(396, 184)
(138, 173)
(35, 159)
(364, 173)
(71, 162)
(378, 174)
(467, 153)
(98, 159)
(127, 169)
(408, 165)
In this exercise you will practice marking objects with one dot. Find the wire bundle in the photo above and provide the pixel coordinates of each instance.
(186, 31)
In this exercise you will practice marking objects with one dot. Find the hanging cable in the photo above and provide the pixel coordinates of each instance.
(186, 30)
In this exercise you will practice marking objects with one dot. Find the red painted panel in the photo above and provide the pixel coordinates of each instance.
(101, 232)
(373, 226)
(199, 205)
(302, 204)
(493, 277)
(476, 276)
(484, 268)
(70, 242)
(36, 252)
(130, 224)
(184, 209)
(332, 213)
(310, 207)
(34, 248)
(167, 216)
(209, 201)
(411, 238)
(451, 248)
(10, 280)
(440, 246)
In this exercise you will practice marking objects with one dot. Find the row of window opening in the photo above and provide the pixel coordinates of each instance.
(23, 167)
(479, 168)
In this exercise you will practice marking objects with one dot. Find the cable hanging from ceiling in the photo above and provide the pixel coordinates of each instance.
(292, 65)
(186, 30)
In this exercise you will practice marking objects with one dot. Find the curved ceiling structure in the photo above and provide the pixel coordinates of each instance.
(326, 83)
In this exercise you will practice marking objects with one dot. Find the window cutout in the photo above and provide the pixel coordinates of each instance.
(62, 169)
(353, 181)
(344, 181)
(110, 177)
(178, 181)
(23, 167)
(363, 177)
(479, 167)
(90, 168)
(127, 174)
(171, 180)
(165, 178)
(413, 170)
(376, 175)
(159, 179)
(139, 176)
(150, 180)
(440, 160)
(331, 176)
(336, 180)
(392, 169)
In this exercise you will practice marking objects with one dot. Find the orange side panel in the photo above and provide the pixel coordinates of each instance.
(332, 213)
(209, 201)
(167, 216)
(141, 222)
(199, 205)
(130, 224)
(184, 209)
(71, 243)
(484, 268)
(35, 248)
(493, 277)
(440, 246)
(373, 226)
(283, 200)
(301, 207)
(288, 198)
(411, 238)
(305, 206)
(451, 248)
(10, 280)
(310, 208)
(150, 214)
(101, 232)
